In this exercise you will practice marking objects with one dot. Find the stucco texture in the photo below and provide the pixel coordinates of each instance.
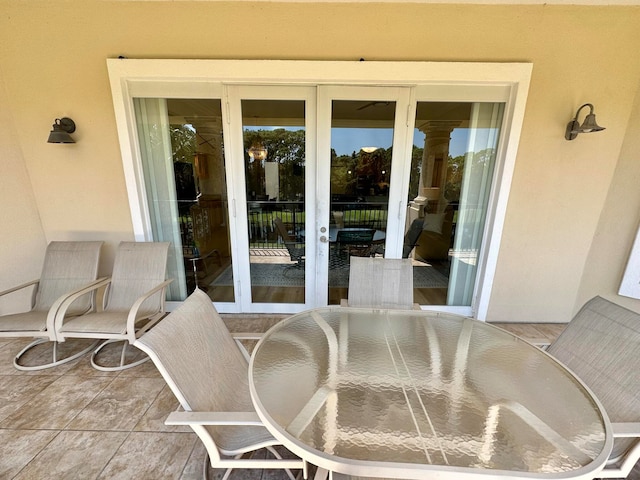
(566, 197)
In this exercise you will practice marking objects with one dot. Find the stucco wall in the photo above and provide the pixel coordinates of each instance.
(618, 224)
(22, 239)
(53, 62)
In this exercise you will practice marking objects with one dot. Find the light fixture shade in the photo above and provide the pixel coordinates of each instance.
(61, 130)
(589, 125)
(257, 151)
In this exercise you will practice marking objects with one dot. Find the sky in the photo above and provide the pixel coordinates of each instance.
(347, 140)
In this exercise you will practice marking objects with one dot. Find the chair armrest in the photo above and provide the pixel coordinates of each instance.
(58, 310)
(213, 418)
(238, 337)
(626, 429)
(133, 313)
(19, 287)
(247, 336)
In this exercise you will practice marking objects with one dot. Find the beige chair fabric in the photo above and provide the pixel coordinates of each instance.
(134, 300)
(68, 267)
(207, 372)
(380, 282)
(602, 346)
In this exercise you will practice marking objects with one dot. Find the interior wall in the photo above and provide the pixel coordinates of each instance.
(619, 223)
(22, 239)
(559, 187)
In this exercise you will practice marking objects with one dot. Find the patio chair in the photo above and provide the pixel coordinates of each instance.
(380, 283)
(600, 345)
(355, 242)
(133, 302)
(296, 251)
(208, 373)
(68, 267)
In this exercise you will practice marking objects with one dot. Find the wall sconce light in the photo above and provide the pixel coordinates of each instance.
(61, 130)
(257, 151)
(589, 124)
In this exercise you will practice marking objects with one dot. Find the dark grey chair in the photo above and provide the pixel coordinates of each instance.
(296, 251)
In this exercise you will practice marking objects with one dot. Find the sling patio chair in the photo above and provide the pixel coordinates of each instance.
(134, 301)
(68, 268)
(208, 373)
(600, 345)
(380, 283)
(296, 250)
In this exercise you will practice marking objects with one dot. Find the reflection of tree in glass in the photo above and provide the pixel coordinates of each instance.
(183, 143)
(287, 148)
(456, 166)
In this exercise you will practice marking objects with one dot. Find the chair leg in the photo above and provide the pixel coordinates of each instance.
(205, 467)
(278, 456)
(122, 366)
(229, 470)
(54, 361)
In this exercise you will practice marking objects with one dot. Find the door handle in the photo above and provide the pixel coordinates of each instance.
(323, 239)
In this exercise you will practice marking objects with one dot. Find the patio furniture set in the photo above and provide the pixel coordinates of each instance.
(376, 387)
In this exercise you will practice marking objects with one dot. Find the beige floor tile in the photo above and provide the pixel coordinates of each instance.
(74, 455)
(120, 405)
(56, 405)
(19, 447)
(550, 330)
(153, 419)
(193, 468)
(110, 354)
(147, 369)
(147, 455)
(16, 390)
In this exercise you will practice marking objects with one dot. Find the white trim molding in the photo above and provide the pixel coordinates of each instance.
(630, 286)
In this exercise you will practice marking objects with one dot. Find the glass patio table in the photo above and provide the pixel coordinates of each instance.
(421, 395)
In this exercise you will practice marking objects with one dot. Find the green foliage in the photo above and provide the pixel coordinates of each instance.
(287, 148)
(183, 143)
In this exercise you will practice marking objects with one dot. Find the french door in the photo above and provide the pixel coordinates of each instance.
(267, 187)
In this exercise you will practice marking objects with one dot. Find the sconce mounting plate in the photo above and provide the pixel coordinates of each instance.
(67, 125)
(570, 133)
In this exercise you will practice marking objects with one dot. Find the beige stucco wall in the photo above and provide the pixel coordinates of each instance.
(22, 240)
(53, 64)
(619, 222)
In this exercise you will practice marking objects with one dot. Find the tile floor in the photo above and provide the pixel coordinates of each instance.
(73, 422)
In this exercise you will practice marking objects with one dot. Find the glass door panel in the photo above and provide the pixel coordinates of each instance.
(453, 162)
(362, 135)
(274, 140)
(182, 158)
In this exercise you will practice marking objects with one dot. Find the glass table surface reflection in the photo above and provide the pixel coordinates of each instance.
(406, 394)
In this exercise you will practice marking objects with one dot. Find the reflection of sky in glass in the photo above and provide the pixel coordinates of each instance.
(345, 141)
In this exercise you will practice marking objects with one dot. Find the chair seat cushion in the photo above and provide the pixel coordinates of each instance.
(33, 321)
(100, 322)
(232, 440)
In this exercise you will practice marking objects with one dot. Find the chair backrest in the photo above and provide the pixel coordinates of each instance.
(295, 252)
(138, 267)
(355, 236)
(67, 267)
(380, 282)
(282, 230)
(411, 237)
(601, 345)
(200, 361)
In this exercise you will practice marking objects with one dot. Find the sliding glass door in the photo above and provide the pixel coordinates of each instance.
(266, 188)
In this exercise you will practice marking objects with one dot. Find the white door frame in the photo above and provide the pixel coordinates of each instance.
(234, 161)
(444, 80)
